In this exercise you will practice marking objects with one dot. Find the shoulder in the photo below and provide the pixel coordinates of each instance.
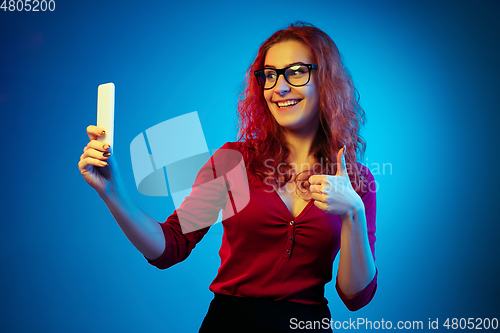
(230, 149)
(365, 171)
(366, 180)
(232, 145)
(227, 157)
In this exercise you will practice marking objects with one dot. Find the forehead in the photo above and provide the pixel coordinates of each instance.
(288, 52)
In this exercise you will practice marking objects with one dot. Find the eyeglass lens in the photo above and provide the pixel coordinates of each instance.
(297, 75)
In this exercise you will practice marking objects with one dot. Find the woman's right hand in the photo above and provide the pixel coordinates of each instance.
(100, 171)
(97, 166)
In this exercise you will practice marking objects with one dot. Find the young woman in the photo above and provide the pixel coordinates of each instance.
(309, 198)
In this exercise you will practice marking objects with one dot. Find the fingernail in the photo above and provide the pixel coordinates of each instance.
(103, 132)
(105, 147)
(106, 154)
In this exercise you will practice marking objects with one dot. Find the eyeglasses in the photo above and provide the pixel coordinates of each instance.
(296, 75)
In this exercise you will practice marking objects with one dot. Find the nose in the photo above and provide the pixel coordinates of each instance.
(281, 87)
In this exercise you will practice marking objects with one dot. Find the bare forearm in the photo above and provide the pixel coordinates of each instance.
(143, 231)
(356, 264)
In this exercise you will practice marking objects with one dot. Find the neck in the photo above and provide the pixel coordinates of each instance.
(300, 144)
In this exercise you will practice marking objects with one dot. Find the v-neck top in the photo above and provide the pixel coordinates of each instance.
(265, 251)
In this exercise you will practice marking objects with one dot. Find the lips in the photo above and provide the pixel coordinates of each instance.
(287, 103)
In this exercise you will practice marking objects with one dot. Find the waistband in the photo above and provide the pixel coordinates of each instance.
(248, 314)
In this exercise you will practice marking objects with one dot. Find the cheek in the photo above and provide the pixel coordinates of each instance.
(312, 96)
(267, 96)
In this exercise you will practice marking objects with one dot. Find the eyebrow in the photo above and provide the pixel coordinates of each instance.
(292, 64)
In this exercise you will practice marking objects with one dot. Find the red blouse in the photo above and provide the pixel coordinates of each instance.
(265, 252)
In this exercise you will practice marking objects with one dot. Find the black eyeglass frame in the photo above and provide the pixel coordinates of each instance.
(282, 72)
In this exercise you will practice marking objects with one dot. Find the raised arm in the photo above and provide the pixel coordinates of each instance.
(99, 169)
(357, 273)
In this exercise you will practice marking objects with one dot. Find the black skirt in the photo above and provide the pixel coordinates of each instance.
(254, 315)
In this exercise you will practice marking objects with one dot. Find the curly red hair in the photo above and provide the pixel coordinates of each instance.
(340, 114)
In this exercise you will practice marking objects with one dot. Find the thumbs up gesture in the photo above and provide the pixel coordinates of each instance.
(335, 194)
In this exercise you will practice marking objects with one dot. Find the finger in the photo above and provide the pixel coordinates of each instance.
(94, 132)
(316, 179)
(86, 163)
(321, 205)
(319, 197)
(92, 153)
(97, 145)
(316, 188)
(341, 168)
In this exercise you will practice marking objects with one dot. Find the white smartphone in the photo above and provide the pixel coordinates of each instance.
(106, 111)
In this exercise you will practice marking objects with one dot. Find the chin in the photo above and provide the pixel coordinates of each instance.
(295, 122)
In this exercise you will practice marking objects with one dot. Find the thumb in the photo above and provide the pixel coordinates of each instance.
(341, 168)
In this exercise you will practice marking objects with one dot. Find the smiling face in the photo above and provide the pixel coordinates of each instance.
(294, 108)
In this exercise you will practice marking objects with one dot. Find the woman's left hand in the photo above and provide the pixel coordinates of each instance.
(335, 194)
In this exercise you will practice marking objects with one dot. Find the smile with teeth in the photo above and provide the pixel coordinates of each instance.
(287, 103)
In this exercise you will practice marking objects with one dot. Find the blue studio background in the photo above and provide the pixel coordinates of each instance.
(427, 72)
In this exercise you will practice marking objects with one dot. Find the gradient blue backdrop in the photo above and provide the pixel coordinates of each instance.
(427, 72)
